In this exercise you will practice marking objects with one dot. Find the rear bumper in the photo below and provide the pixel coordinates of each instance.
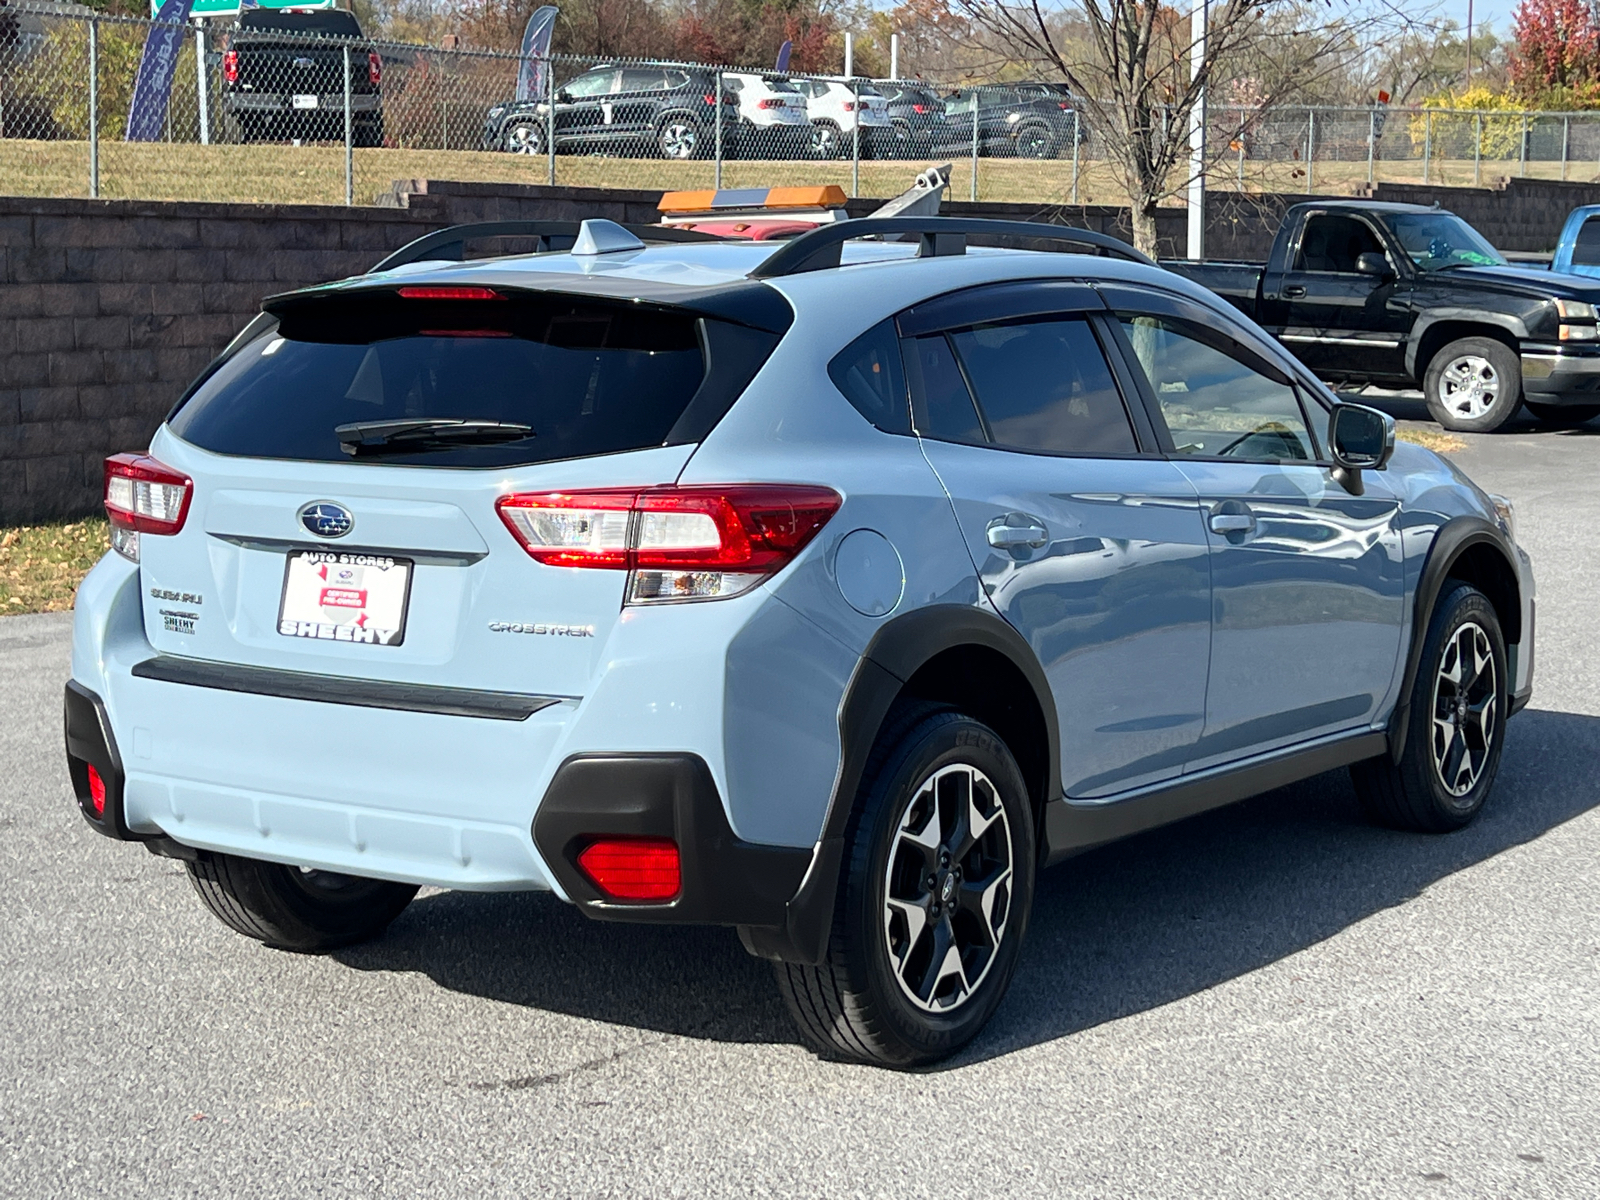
(260, 103)
(1561, 377)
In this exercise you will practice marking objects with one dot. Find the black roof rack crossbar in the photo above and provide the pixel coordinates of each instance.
(449, 245)
(820, 249)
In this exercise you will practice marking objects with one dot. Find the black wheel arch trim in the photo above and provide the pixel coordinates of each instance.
(891, 659)
(1453, 539)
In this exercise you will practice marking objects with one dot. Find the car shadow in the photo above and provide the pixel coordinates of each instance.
(1410, 406)
(1117, 931)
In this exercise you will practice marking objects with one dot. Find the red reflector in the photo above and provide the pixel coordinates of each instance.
(449, 293)
(97, 793)
(633, 868)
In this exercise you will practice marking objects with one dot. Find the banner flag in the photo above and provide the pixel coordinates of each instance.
(535, 46)
(152, 87)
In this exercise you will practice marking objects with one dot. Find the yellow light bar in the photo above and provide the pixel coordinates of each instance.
(678, 203)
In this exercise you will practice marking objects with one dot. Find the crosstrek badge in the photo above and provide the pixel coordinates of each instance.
(336, 596)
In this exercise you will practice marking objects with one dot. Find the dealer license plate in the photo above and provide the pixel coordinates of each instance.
(305, 101)
(336, 596)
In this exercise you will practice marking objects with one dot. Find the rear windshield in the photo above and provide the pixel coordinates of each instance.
(587, 377)
(330, 23)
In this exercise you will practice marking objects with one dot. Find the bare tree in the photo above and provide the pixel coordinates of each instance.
(1129, 62)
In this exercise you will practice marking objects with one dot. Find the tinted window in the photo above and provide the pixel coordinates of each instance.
(642, 79)
(594, 83)
(1586, 251)
(1045, 386)
(1439, 239)
(1333, 243)
(868, 371)
(1214, 403)
(942, 404)
(328, 23)
(590, 378)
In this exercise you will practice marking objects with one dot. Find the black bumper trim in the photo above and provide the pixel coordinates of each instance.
(90, 744)
(726, 881)
(339, 689)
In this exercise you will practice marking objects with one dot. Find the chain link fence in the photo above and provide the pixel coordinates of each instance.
(270, 116)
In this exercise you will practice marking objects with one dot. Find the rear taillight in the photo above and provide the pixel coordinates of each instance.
(709, 98)
(849, 106)
(374, 68)
(919, 108)
(769, 102)
(678, 543)
(1064, 107)
(633, 868)
(230, 66)
(144, 496)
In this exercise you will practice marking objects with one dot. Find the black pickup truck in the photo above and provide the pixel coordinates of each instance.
(1402, 296)
(283, 77)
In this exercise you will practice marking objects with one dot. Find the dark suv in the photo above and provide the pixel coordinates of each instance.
(1025, 120)
(283, 77)
(632, 112)
(916, 118)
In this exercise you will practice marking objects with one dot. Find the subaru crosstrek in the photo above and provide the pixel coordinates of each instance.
(824, 589)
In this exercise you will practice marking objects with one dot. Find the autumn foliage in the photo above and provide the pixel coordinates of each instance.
(1557, 50)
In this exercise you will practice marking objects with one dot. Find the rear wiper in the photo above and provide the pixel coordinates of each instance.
(426, 433)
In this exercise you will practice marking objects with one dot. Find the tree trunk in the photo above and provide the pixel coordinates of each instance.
(1143, 217)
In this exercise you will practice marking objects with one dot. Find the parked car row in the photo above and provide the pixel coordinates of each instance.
(671, 112)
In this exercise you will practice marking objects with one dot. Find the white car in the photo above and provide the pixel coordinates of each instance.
(773, 114)
(835, 106)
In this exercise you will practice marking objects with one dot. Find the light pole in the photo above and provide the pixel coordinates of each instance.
(1197, 133)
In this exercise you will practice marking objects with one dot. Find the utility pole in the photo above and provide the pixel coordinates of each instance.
(849, 55)
(894, 56)
(1197, 133)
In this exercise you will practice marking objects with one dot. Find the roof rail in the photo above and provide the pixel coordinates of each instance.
(449, 245)
(820, 249)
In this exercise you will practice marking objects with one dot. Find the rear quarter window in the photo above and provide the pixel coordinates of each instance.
(589, 378)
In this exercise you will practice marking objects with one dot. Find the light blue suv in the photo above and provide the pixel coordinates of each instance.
(824, 589)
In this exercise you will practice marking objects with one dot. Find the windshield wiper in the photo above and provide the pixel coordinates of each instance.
(426, 433)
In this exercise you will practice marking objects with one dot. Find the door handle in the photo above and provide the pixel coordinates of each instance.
(1233, 522)
(1003, 535)
(1294, 291)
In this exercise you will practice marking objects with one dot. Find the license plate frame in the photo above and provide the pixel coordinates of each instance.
(304, 101)
(354, 601)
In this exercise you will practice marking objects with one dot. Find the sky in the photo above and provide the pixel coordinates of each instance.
(1498, 12)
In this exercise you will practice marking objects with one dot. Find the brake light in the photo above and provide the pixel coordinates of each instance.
(633, 868)
(678, 543)
(919, 108)
(374, 67)
(449, 293)
(145, 496)
(769, 102)
(709, 98)
(230, 66)
(849, 106)
(97, 793)
(1064, 107)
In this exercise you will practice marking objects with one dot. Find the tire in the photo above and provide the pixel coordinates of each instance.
(889, 993)
(901, 141)
(293, 909)
(1456, 730)
(368, 135)
(1473, 385)
(826, 140)
(523, 137)
(1035, 141)
(1563, 416)
(678, 138)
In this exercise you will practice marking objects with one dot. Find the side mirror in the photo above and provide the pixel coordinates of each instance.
(1372, 263)
(563, 97)
(1360, 439)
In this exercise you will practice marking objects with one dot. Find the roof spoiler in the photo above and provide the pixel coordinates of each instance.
(821, 249)
(449, 245)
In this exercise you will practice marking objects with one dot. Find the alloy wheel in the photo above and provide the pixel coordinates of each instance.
(525, 139)
(1464, 715)
(678, 139)
(947, 888)
(1469, 386)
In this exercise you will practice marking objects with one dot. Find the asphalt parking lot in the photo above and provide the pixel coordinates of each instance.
(1270, 1000)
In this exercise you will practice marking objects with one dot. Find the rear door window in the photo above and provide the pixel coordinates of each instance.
(1586, 251)
(1045, 387)
(588, 377)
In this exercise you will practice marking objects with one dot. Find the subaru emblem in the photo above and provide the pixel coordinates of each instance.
(327, 519)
